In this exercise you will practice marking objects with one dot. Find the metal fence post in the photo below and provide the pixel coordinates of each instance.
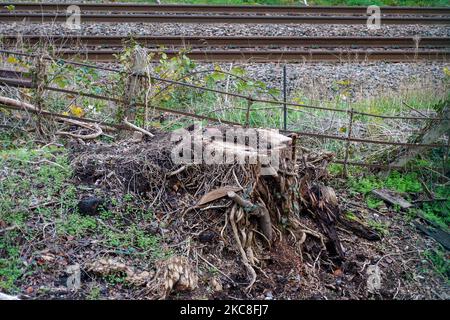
(347, 147)
(247, 115)
(284, 98)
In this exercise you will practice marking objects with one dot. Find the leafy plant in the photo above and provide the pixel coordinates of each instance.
(373, 202)
(380, 227)
(440, 261)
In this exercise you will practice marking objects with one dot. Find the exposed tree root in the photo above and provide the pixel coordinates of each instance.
(245, 260)
(291, 205)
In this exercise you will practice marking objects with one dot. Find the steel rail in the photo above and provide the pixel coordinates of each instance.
(195, 18)
(184, 8)
(241, 41)
(264, 56)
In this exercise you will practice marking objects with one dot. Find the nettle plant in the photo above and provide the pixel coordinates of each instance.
(151, 92)
(181, 68)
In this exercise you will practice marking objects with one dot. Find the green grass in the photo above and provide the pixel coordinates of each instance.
(34, 176)
(77, 225)
(37, 193)
(380, 227)
(439, 212)
(396, 181)
(11, 267)
(405, 183)
(94, 294)
(440, 262)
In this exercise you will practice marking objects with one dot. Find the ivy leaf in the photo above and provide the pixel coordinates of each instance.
(60, 81)
(242, 85)
(238, 71)
(261, 84)
(218, 76)
(273, 91)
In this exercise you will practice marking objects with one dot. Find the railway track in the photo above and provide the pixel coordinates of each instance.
(238, 48)
(265, 56)
(196, 18)
(229, 41)
(253, 9)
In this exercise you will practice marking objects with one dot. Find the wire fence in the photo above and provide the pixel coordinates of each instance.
(250, 100)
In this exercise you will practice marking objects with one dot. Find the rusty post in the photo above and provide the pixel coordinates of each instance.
(39, 82)
(347, 147)
(133, 84)
(247, 115)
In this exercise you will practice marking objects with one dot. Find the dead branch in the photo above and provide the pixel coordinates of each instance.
(8, 229)
(132, 126)
(26, 106)
(179, 170)
(91, 136)
(4, 296)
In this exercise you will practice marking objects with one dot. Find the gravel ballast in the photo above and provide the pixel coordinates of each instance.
(193, 29)
(367, 79)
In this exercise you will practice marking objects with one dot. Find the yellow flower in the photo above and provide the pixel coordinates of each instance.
(447, 71)
(77, 111)
(12, 60)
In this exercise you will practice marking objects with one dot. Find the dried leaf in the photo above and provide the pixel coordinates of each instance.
(217, 194)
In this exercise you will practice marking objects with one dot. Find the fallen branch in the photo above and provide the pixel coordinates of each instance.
(391, 198)
(9, 228)
(441, 236)
(179, 170)
(29, 107)
(4, 296)
(430, 200)
(132, 126)
(247, 205)
(215, 268)
(91, 136)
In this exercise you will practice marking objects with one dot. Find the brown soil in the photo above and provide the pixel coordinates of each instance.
(287, 269)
